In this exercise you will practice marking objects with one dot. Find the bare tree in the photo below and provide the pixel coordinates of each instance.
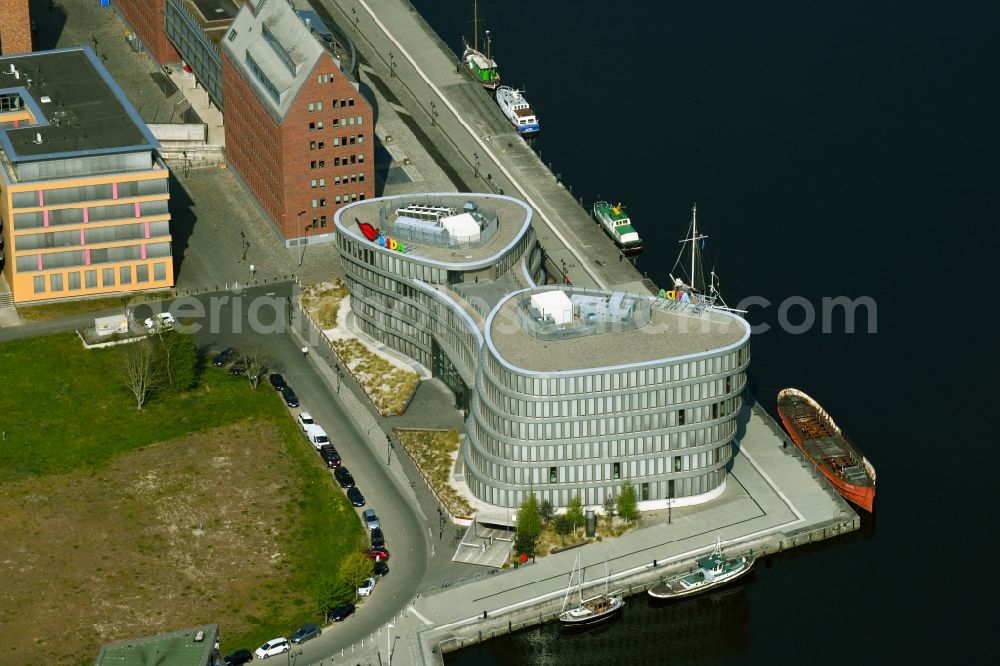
(142, 371)
(254, 362)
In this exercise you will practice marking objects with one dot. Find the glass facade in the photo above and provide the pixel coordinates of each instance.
(665, 425)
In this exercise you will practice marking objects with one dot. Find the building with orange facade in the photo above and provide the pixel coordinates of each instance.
(83, 192)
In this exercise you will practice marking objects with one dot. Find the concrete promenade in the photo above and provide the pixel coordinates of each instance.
(468, 130)
(773, 500)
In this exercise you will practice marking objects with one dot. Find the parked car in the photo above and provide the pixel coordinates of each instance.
(304, 633)
(330, 456)
(225, 356)
(343, 477)
(277, 381)
(305, 420)
(381, 568)
(340, 613)
(378, 539)
(236, 370)
(163, 321)
(377, 553)
(317, 436)
(288, 394)
(238, 657)
(371, 520)
(366, 587)
(272, 647)
(353, 494)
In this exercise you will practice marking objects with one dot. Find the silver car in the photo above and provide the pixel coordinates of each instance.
(371, 520)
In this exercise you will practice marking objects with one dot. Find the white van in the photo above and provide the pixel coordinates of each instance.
(317, 436)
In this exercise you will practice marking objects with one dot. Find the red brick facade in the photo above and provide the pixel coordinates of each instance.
(145, 17)
(320, 157)
(15, 27)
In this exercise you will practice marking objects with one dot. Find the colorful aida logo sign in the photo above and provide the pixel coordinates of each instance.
(677, 295)
(377, 237)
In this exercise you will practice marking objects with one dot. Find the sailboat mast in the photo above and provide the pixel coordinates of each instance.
(694, 236)
(475, 25)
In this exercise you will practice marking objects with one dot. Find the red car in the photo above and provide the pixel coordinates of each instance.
(377, 553)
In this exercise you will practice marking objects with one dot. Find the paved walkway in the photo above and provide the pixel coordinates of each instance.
(472, 136)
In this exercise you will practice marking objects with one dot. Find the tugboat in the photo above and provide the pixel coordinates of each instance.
(618, 225)
(826, 447)
(518, 111)
(481, 65)
(714, 571)
(592, 610)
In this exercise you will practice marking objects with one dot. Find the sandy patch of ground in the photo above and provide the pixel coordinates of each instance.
(166, 537)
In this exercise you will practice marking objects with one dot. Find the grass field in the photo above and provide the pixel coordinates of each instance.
(84, 305)
(207, 507)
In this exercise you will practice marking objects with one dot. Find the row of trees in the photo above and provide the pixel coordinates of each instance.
(168, 360)
(533, 516)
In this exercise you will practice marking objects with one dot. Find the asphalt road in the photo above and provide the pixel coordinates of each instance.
(257, 317)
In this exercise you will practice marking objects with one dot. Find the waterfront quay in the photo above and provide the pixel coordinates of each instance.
(772, 500)
(405, 62)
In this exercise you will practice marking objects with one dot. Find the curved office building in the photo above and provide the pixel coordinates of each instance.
(569, 391)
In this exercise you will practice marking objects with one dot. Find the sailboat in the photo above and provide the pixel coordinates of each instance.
(695, 289)
(593, 609)
(481, 65)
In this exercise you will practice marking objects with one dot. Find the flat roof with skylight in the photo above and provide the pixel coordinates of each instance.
(549, 329)
(76, 108)
(448, 229)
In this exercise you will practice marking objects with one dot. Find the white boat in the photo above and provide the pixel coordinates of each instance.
(592, 609)
(689, 284)
(518, 111)
(714, 570)
(481, 65)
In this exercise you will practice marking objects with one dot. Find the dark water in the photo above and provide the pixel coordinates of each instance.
(834, 149)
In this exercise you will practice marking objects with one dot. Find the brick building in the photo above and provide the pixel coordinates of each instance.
(145, 18)
(302, 139)
(15, 27)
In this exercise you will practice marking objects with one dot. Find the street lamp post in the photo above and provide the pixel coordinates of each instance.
(475, 173)
(302, 239)
(434, 114)
(388, 450)
(354, 13)
(388, 643)
(392, 65)
(244, 245)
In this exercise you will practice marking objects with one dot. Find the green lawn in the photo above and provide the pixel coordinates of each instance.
(63, 409)
(80, 306)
